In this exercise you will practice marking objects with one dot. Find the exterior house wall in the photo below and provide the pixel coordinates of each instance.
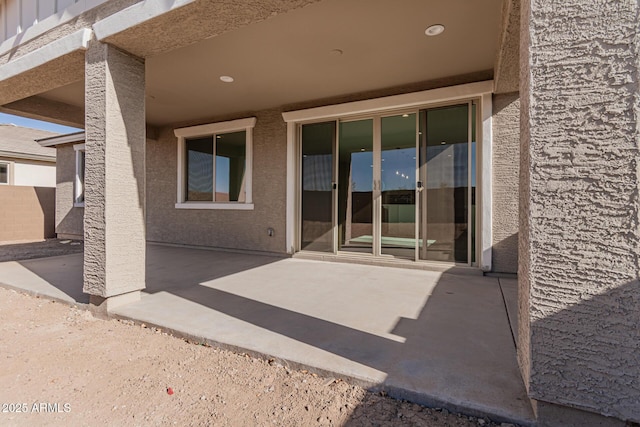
(579, 235)
(26, 213)
(247, 230)
(69, 219)
(235, 229)
(31, 173)
(35, 174)
(506, 169)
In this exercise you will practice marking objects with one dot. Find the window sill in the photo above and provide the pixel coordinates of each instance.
(78, 205)
(218, 205)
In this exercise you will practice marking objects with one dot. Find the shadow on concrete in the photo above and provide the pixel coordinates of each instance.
(446, 361)
(452, 349)
(457, 353)
(40, 249)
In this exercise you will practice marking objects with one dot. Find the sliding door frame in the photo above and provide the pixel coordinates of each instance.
(480, 93)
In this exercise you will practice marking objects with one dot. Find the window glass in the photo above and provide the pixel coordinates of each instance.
(80, 172)
(199, 161)
(4, 173)
(230, 167)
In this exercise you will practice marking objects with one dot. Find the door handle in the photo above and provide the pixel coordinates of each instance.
(419, 186)
(334, 185)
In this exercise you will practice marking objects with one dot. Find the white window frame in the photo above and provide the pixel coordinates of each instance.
(212, 129)
(78, 183)
(9, 172)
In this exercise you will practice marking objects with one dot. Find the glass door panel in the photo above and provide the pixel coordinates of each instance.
(444, 168)
(398, 185)
(355, 186)
(317, 215)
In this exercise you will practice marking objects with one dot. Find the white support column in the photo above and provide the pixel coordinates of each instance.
(114, 220)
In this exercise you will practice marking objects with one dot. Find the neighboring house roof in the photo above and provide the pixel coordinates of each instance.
(52, 141)
(19, 142)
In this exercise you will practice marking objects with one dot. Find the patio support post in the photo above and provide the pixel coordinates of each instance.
(114, 218)
(579, 268)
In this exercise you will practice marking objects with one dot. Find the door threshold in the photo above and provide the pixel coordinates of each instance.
(369, 259)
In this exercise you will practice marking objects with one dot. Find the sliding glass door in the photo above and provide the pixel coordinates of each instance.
(398, 181)
(317, 171)
(399, 185)
(355, 186)
(447, 169)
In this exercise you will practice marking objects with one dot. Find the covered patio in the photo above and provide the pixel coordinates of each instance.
(435, 338)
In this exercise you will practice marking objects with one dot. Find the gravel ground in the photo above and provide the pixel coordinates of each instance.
(51, 247)
(62, 366)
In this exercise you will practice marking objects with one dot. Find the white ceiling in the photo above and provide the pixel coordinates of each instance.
(288, 59)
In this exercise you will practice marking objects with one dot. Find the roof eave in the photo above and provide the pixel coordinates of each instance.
(52, 141)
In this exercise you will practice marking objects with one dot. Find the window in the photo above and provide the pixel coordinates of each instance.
(78, 187)
(215, 165)
(4, 173)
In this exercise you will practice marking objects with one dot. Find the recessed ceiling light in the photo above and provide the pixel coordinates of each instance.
(226, 79)
(405, 115)
(434, 30)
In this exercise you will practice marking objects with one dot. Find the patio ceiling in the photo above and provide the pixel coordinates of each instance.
(330, 48)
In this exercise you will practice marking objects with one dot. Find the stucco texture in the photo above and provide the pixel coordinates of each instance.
(84, 20)
(68, 218)
(197, 21)
(506, 168)
(233, 229)
(180, 27)
(580, 236)
(114, 223)
(507, 67)
(60, 71)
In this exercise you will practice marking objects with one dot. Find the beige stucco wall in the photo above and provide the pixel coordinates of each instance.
(69, 219)
(506, 158)
(234, 229)
(26, 213)
(580, 241)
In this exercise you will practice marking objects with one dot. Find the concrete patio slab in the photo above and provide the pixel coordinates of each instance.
(430, 337)
(59, 277)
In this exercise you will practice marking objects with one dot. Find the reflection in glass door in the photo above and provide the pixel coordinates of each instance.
(317, 171)
(401, 185)
(447, 167)
(355, 186)
(398, 185)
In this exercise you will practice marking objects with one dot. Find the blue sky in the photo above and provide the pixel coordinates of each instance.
(36, 124)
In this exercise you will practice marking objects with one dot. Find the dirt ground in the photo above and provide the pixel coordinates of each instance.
(11, 251)
(62, 366)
